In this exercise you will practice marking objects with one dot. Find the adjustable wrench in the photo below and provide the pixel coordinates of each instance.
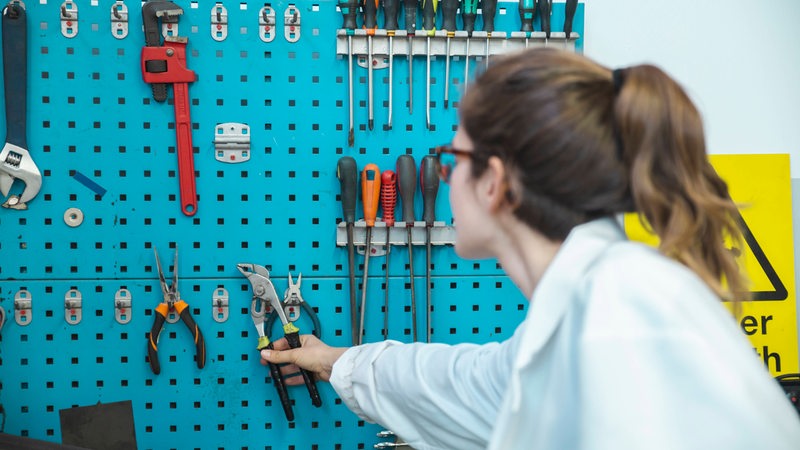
(15, 161)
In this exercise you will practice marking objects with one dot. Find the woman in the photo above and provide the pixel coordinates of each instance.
(624, 346)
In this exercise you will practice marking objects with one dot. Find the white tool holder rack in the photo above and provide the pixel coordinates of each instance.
(500, 42)
(441, 234)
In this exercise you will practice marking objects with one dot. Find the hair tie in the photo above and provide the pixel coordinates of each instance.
(618, 79)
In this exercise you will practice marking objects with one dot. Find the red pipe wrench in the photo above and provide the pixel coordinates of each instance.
(162, 64)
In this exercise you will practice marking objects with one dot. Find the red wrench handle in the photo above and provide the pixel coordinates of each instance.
(183, 132)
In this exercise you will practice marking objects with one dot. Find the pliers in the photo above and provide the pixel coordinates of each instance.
(173, 303)
(264, 297)
(293, 304)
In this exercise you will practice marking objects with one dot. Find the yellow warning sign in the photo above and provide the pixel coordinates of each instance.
(761, 186)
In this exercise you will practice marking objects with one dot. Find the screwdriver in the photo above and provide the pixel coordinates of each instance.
(370, 24)
(429, 183)
(407, 184)
(489, 8)
(349, 9)
(370, 192)
(429, 26)
(469, 10)
(449, 10)
(390, 23)
(388, 202)
(544, 15)
(526, 11)
(347, 173)
(569, 16)
(410, 9)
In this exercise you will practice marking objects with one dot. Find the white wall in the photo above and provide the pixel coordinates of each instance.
(738, 59)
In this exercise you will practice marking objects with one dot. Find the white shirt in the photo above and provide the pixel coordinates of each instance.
(622, 348)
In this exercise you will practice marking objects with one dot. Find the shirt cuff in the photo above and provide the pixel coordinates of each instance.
(342, 379)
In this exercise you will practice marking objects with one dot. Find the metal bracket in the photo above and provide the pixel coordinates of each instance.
(69, 19)
(266, 24)
(169, 25)
(122, 306)
(22, 307)
(119, 20)
(219, 302)
(232, 142)
(291, 23)
(219, 22)
(441, 234)
(73, 306)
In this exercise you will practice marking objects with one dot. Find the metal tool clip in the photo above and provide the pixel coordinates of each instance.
(73, 306)
(219, 22)
(122, 306)
(23, 307)
(69, 19)
(291, 23)
(232, 142)
(266, 23)
(119, 20)
(219, 302)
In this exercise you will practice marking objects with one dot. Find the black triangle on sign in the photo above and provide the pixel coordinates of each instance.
(779, 291)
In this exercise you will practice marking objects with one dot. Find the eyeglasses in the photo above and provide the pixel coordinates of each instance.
(446, 158)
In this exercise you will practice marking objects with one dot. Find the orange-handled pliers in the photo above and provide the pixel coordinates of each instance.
(173, 303)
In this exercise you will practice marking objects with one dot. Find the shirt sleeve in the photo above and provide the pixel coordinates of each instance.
(434, 396)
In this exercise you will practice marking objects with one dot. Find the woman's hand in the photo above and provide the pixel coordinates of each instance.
(313, 355)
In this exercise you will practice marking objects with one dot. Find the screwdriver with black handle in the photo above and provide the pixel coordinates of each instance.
(370, 194)
(390, 24)
(370, 25)
(429, 183)
(347, 173)
(407, 185)
(489, 9)
(349, 10)
(429, 26)
(388, 202)
(449, 10)
(469, 11)
(545, 7)
(526, 11)
(410, 14)
(569, 17)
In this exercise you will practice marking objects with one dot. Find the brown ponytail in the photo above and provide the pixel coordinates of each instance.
(577, 148)
(674, 186)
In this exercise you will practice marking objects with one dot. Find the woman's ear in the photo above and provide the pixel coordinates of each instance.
(494, 184)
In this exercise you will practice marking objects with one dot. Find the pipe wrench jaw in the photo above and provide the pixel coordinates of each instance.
(16, 164)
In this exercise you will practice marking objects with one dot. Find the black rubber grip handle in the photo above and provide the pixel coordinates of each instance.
(410, 15)
(347, 173)
(488, 9)
(544, 15)
(370, 14)
(152, 343)
(429, 183)
(569, 16)
(199, 340)
(429, 14)
(406, 171)
(349, 10)
(390, 14)
(308, 377)
(15, 71)
(280, 386)
(526, 12)
(449, 10)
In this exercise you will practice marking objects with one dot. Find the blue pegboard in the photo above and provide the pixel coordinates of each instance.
(89, 112)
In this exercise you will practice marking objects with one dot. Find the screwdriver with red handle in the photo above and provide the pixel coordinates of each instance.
(370, 193)
(429, 183)
(388, 202)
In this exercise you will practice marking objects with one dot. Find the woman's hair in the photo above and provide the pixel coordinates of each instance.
(580, 142)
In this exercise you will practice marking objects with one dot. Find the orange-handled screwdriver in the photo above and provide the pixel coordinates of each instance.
(370, 194)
